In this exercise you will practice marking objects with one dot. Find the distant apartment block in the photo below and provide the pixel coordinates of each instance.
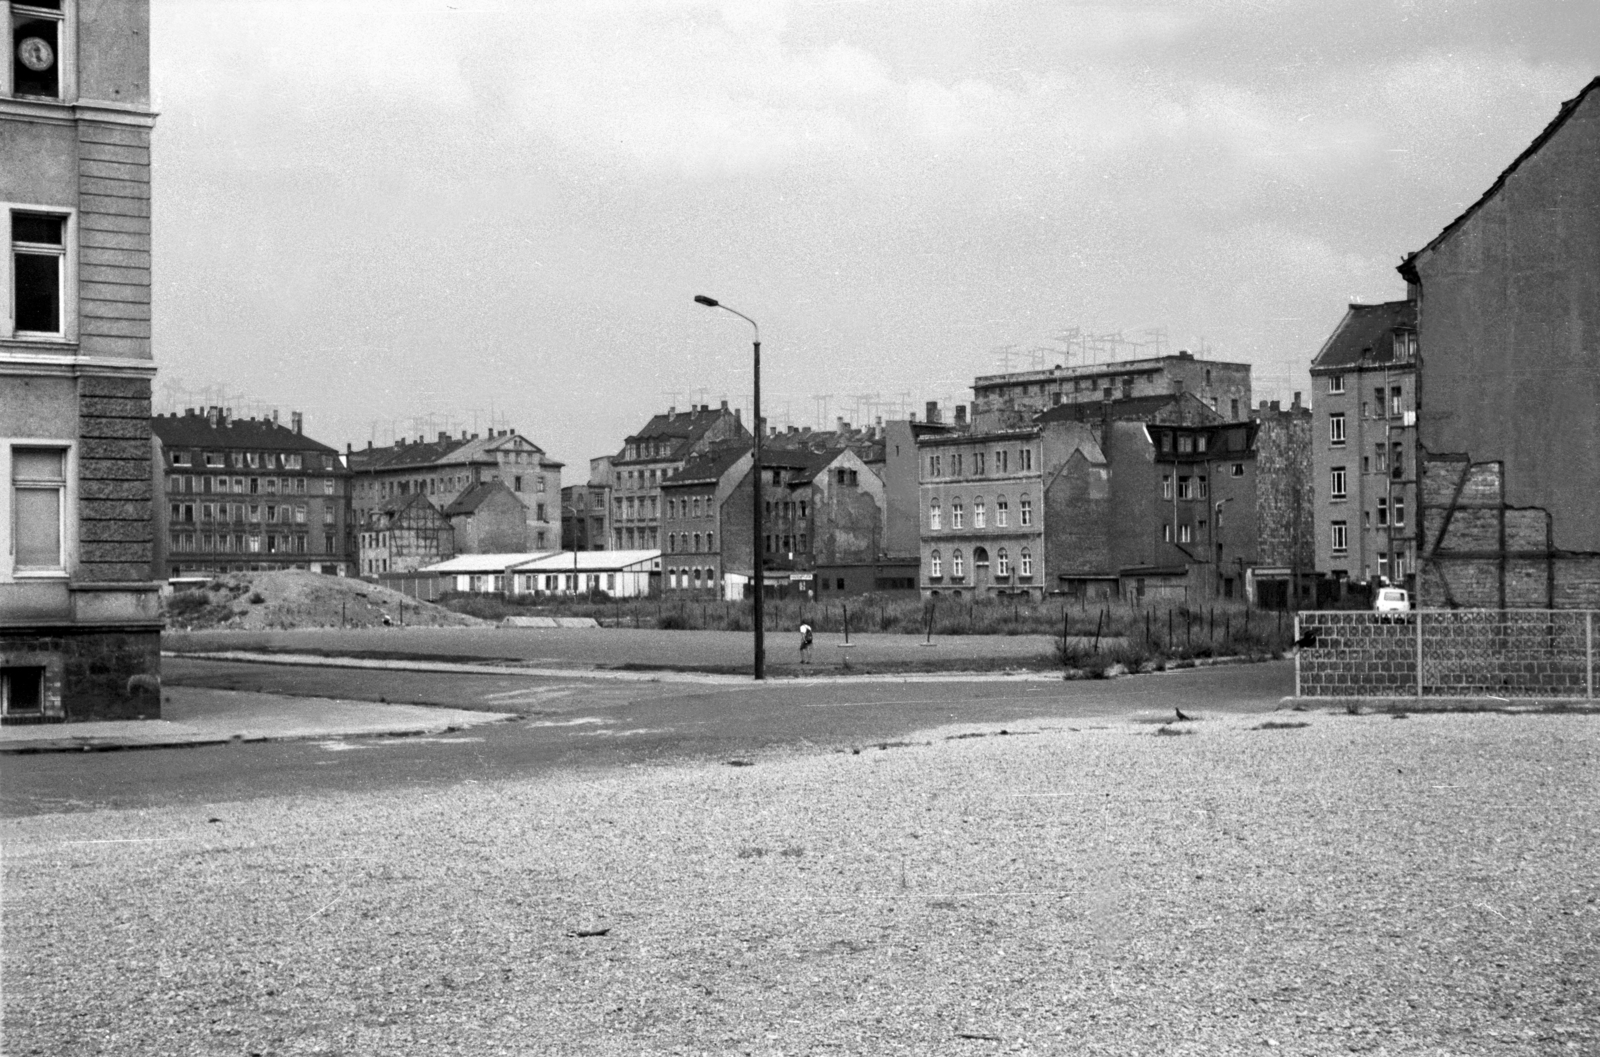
(1363, 469)
(586, 517)
(1222, 387)
(249, 494)
(653, 454)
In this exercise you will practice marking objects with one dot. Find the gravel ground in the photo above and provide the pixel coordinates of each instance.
(1423, 886)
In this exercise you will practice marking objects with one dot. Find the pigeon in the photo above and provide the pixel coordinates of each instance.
(1307, 641)
(1181, 717)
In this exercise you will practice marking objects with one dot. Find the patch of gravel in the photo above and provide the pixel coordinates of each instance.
(1353, 885)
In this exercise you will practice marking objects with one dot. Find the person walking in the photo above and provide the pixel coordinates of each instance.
(805, 643)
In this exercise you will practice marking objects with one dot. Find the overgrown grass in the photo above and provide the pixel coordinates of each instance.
(1090, 637)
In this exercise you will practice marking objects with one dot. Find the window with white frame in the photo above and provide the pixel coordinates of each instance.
(1025, 563)
(1002, 563)
(1336, 428)
(1399, 510)
(39, 46)
(980, 517)
(1027, 511)
(38, 510)
(1236, 470)
(1383, 512)
(1337, 483)
(1166, 532)
(957, 514)
(935, 565)
(958, 567)
(1185, 534)
(37, 284)
(1185, 487)
(935, 519)
(1166, 486)
(1002, 512)
(1339, 536)
(1025, 457)
(1335, 383)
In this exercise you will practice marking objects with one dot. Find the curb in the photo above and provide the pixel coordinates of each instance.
(113, 744)
(1510, 706)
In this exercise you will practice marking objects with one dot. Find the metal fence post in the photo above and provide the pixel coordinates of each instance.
(1588, 653)
(1419, 655)
(1296, 652)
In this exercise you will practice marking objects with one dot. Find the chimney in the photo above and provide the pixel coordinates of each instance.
(933, 411)
(1276, 407)
(443, 437)
(400, 443)
(227, 416)
(349, 450)
(212, 415)
(961, 414)
(369, 444)
(672, 413)
(724, 405)
(1296, 404)
(274, 416)
(296, 422)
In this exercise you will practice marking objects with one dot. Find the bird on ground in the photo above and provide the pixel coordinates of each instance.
(1181, 717)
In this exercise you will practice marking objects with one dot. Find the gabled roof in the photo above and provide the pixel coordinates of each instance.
(196, 431)
(1407, 267)
(709, 466)
(1366, 335)
(685, 425)
(447, 451)
(1130, 409)
(476, 496)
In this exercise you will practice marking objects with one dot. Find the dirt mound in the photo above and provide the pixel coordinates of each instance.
(297, 599)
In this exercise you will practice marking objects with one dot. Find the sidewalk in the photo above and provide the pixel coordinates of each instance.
(194, 716)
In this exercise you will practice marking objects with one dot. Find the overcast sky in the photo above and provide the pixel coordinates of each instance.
(376, 212)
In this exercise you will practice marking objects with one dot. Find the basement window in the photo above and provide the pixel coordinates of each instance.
(22, 690)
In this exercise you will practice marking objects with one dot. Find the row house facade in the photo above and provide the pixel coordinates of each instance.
(651, 456)
(453, 473)
(404, 535)
(586, 517)
(248, 494)
(1363, 385)
(821, 511)
(1223, 387)
(79, 619)
(1145, 497)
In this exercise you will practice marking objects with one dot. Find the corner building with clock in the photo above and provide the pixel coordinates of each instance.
(79, 621)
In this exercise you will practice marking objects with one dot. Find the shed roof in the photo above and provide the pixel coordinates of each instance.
(589, 561)
(484, 563)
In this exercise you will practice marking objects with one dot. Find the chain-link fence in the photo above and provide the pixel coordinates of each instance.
(1508, 653)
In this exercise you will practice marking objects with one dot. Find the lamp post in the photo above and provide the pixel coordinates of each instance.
(757, 557)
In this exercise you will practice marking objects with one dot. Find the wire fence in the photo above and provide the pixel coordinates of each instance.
(1506, 653)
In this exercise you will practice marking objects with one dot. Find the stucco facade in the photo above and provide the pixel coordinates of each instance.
(79, 620)
(1222, 387)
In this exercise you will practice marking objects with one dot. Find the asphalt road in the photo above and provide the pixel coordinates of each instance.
(588, 723)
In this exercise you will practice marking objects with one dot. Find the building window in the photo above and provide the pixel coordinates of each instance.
(1405, 344)
(1236, 470)
(957, 515)
(1200, 442)
(1339, 537)
(39, 47)
(1002, 563)
(1002, 512)
(980, 517)
(1335, 383)
(955, 464)
(1399, 510)
(1383, 512)
(1185, 487)
(934, 518)
(1025, 563)
(935, 566)
(958, 567)
(1166, 533)
(1000, 460)
(1025, 458)
(1338, 484)
(1027, 511)
(1233, 409)
(1166, 486)
(1397, 460)
(1185, 444)
(1185, 534)
(1336, 428)
(22, 690)
(1396, 401)
(38, 264)
(38, 509)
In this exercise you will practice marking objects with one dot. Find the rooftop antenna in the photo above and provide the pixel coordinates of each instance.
(824, 401)
(1003, 354)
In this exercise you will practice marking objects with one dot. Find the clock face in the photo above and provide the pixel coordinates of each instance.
(36, 54)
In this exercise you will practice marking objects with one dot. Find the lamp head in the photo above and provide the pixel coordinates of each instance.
(709, 302)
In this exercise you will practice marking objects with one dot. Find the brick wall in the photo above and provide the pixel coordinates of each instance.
(115, 486)
(91, 673)
(1284, 515)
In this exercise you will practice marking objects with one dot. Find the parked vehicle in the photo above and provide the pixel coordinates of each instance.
(1391, 600)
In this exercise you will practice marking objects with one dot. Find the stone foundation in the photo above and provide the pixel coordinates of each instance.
(89, 673)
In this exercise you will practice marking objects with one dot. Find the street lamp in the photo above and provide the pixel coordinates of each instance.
(758, 558)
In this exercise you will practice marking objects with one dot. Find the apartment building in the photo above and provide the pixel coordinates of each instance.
(251, 493)
(79, 620)
(1223, 387)
(652, 455)
(447, 468)
(1363, 468)
(1508, 398)
(586, 517)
